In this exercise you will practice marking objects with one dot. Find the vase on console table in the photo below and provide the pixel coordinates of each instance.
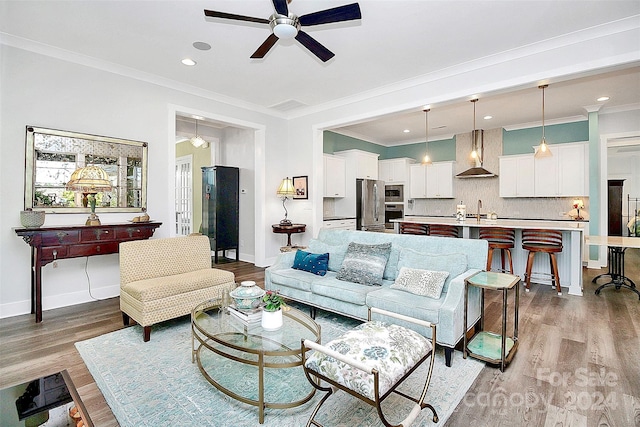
(31, 219)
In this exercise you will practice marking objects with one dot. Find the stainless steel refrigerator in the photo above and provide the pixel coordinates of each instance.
(369, 205)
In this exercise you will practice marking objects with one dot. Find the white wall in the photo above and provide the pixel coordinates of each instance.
(237, 149)
(43, 91)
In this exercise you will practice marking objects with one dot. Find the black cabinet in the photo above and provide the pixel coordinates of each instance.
(221, 208)
(615, 207)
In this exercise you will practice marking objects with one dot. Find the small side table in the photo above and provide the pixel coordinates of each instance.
(488, 346)
(289, 230)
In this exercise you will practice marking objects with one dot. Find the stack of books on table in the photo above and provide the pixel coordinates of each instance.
(249, 317)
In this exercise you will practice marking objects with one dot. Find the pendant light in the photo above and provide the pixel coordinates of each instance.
(197, 141)
(426, 160)
(543, 149)
(474, 144)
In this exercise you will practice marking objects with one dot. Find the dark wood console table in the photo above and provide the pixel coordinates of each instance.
(49, 244)
(289, 230)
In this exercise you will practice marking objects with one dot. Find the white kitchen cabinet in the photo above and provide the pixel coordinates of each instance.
(516, 176)
(365, 164)
(564, 174)
(394, 170)
(434, 181)
(334, 176)
(340, 224)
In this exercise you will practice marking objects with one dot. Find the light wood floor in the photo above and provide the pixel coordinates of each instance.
(578, 363)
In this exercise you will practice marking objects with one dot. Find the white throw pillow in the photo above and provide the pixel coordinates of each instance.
(421, 282)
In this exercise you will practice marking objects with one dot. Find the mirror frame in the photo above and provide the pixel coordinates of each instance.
(30, 170)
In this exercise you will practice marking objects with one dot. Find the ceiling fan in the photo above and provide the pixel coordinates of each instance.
(285, 25)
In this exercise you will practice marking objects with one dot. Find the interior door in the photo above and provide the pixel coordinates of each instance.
(184, 196)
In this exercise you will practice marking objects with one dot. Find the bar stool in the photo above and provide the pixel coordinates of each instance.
(443, 230)
(545, 241)
(413, 228)
(502, 239)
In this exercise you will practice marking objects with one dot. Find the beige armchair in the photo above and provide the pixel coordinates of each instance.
(161, 279)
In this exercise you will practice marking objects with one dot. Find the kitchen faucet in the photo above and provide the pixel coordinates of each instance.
(479, 206)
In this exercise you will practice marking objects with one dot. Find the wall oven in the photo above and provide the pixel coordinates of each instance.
(392, 211)
(394, 193)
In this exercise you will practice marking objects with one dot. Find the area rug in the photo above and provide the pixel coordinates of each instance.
(155, 384)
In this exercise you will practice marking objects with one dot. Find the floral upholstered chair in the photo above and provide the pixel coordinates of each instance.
(369, 362)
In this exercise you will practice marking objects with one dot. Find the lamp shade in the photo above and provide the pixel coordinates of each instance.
(578, 204)
(89, 179)
(286, 188)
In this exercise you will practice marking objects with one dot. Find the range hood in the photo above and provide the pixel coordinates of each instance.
(477, 171)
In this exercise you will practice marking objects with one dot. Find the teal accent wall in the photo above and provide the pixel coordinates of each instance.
(594, 181)
(335, 142)
(521, 141)
(440, 151)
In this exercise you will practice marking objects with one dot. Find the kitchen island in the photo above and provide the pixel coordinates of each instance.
(569, 260)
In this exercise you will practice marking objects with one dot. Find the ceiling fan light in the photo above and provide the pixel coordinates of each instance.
(285, 31)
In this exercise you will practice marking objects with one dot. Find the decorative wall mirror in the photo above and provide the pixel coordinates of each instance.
(53, 155)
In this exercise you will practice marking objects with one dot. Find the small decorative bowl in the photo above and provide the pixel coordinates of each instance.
(247, 295)
(32, 219)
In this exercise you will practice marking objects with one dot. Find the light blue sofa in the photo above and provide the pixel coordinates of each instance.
(353, 299)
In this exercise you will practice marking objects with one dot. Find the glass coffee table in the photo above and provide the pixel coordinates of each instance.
(258, 367)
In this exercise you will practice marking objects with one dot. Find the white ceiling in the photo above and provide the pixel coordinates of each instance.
(394, 42)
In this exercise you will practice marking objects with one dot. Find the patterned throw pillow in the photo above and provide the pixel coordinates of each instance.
(313, 263)
(421, 282)
(364, 264)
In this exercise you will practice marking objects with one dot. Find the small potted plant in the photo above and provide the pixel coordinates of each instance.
(272, 305)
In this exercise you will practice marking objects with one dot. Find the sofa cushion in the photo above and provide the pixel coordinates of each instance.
(364, 263)
(421, 282)
(296, 279)
(330, 286)
(169, 286)
(408, 304)
(313, 263)
(391, 269)
(336, 252)
(455, 263)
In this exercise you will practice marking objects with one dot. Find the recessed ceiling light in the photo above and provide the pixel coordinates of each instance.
(188, 61)
(602, 99)
(201, 45)
(488, 117)
(406, 131)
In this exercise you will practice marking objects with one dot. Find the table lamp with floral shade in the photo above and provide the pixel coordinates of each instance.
(89, 181)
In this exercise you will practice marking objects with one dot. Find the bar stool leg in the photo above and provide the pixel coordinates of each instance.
(510, 261)
(554, 264)
(502, 258)
(527, 275)
(489, 259)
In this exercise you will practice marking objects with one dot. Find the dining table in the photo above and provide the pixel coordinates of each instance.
(617, 245)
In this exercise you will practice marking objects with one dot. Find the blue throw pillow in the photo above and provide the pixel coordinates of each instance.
(313, 263)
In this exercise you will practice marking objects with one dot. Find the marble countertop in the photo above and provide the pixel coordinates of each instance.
(511, 223)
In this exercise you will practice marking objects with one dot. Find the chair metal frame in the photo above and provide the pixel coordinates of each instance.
(315, 378)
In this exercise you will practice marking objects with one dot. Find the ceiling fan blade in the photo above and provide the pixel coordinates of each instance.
(316, 48)
(347, 12)
(265, 46)
(281, 7)
(214, 14)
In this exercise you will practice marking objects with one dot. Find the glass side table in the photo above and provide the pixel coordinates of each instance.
(491, 347)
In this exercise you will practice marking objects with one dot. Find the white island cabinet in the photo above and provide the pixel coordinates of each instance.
(569, 260)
